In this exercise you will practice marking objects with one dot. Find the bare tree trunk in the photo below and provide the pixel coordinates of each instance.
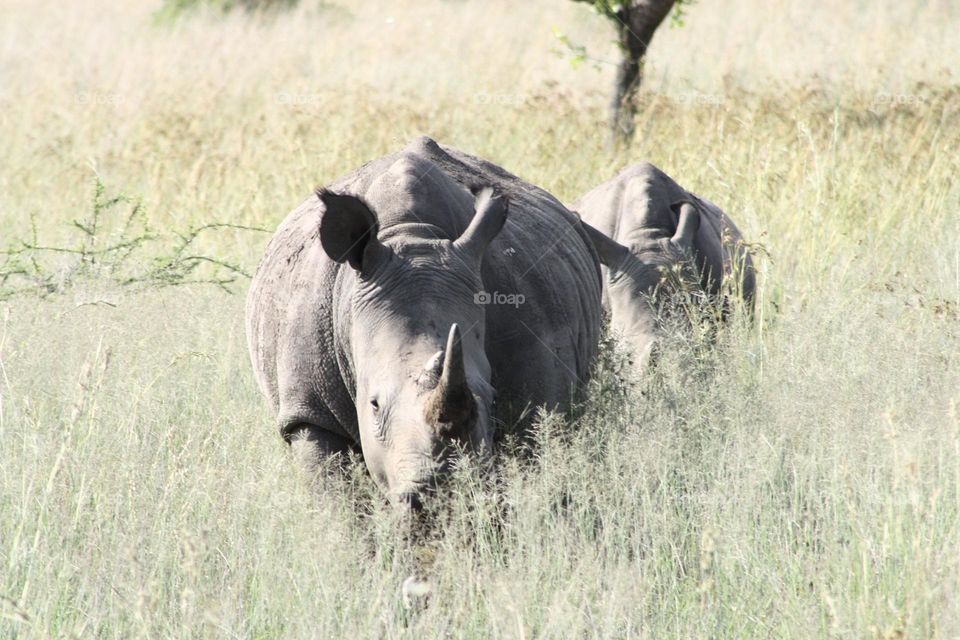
(637, 21)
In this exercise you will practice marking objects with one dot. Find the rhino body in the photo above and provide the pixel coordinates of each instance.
(643, 223)
(391, 309)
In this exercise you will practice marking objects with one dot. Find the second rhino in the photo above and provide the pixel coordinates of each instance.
(646, 227)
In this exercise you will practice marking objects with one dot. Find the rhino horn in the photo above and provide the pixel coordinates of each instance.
(454, 376)
(430, 376)
(452, 402)
(434, 366)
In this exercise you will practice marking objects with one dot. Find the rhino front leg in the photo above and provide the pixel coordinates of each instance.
(315, 448)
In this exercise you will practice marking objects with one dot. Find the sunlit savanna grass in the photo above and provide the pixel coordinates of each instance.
(799, 479)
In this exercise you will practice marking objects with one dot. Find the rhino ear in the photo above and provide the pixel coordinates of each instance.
(611, 253)
(688, 221)
(490, 214)
(348, 230)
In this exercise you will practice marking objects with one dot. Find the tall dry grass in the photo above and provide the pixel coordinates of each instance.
(799, 479)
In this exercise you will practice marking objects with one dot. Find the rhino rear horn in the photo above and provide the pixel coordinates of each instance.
(430, 376)
(490, 214)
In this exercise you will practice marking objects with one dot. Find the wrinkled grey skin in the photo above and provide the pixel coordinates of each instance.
(642, 223)
(363, 326)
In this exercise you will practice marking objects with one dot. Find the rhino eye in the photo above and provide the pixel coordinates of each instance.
(379, 424)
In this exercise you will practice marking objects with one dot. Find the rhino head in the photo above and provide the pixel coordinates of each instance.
(413, 339)
(638, 278)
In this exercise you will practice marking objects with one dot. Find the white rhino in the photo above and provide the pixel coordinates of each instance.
(393, 307)
(647, 229)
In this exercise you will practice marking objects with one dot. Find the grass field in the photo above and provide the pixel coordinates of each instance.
(799, 479)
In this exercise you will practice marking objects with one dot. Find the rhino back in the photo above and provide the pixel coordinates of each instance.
(634, 208)
(542, 348)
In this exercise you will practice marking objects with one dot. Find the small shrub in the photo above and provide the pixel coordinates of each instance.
(115, 244)
(174, 8)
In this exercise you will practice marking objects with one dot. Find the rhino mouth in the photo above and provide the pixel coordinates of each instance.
(410, 501)
(413, 498)
(419, 489)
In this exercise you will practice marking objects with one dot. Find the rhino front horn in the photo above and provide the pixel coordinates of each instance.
(453, 374)
(453, 403)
